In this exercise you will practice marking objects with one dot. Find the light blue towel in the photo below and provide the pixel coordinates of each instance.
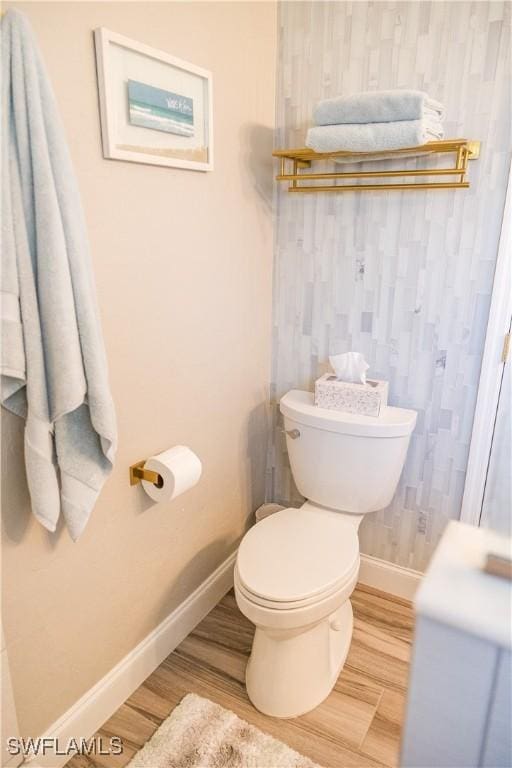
(53, 372)
(377, 107)
(373, 137)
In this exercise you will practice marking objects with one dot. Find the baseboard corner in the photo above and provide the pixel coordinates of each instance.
(388, 577)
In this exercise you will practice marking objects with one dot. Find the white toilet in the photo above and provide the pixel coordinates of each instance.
(296, 569)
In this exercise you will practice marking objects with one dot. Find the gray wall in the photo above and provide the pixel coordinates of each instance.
(406, 277)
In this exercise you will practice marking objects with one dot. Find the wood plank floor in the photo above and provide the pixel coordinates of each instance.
(358, 725)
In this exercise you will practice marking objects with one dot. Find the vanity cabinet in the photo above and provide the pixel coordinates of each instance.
(459, 708)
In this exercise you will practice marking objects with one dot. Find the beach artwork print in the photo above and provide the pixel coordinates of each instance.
(142, 88)
(151, 107)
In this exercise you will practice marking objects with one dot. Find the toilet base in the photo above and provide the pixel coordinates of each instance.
(290, 672)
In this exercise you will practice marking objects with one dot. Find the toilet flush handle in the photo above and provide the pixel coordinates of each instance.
(293, 433)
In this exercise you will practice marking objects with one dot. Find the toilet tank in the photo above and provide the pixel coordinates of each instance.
(345, 461)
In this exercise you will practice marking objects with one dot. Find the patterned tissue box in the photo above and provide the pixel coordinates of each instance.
(366, 399)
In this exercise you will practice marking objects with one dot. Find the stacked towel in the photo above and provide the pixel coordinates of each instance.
(371, 137)
(377, 107)
(376, 122)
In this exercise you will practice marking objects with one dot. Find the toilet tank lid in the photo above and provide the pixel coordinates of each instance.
(392, 422)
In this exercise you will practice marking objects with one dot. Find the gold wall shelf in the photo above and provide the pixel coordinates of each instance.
(293, 163)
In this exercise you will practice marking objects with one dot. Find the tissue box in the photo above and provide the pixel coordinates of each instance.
(366, 399)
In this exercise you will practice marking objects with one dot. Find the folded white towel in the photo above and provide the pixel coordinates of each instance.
(377, 107)
(53, 371)
(373, 137)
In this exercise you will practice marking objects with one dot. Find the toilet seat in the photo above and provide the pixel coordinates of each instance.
(297, 557)
(282, 606)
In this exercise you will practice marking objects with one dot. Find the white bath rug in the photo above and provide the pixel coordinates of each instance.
(201, 734)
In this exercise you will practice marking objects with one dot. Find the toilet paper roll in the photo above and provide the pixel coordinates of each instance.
(180, 470)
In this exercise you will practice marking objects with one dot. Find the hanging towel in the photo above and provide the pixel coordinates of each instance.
(373, 137)
(53, 367)
(377, 107)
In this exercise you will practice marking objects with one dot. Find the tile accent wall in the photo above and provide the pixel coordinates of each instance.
(404, 277)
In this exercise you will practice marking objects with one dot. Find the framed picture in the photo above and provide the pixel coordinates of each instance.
(154, 108)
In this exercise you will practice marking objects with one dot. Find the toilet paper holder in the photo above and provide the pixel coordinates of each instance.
(138, 473)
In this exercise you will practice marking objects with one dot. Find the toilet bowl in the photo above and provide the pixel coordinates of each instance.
(299, 604)
(296, 569)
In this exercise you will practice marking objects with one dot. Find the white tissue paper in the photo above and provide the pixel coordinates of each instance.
(348, 389)
(350, 366)
(179, 468)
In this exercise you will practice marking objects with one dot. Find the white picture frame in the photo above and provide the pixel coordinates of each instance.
(154, 108)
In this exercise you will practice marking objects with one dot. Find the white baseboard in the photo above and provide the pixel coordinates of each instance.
(95, 707)
(388, 577)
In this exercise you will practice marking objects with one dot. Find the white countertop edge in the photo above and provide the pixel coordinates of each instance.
(458, 593)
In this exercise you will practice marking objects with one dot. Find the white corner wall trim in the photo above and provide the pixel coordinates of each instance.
(388, 577)
(89, 713)
(491, 373)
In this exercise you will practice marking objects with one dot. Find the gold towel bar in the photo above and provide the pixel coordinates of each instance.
(300, 159)
(138, 473)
